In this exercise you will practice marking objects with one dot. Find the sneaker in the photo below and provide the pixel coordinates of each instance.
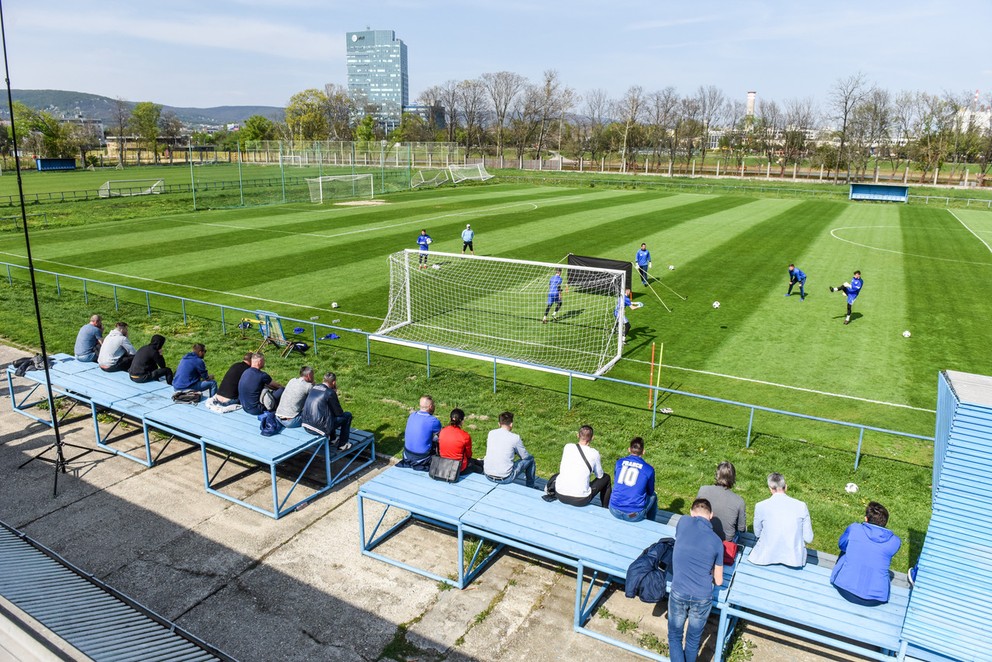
(345, 447)
(847, 320)
(554, 316)
(544, 320)
(802, 298)
(788, 294)
(832, 288)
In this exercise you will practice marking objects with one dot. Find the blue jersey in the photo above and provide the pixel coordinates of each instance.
(643, 257)
(626, 304)
(855, 289)
(633, 484)
(554, 289)
(797, 274)
(423, 241)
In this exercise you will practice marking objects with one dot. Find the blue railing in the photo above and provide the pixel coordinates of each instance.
(224, 310)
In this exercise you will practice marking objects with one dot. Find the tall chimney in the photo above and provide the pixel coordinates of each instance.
(750, 103)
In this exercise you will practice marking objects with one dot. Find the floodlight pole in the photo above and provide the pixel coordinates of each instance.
(60, 461)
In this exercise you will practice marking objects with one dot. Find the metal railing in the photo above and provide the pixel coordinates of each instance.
(225, 310)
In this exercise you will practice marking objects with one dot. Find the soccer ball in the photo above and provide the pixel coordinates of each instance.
(435, 266)
(334, 304)
(851, 488)
(430, 241)
(671, 267)
(716, 304)
(906, 334)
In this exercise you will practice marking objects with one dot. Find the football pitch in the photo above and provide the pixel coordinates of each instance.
(926, 270)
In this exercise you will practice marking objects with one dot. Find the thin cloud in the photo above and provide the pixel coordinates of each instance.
(663, 24)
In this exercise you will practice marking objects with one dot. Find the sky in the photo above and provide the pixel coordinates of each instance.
(260, 52)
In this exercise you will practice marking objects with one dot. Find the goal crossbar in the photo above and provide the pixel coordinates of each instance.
(329, 187)
(109, 189)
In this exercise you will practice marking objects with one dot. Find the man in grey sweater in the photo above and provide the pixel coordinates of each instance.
(295, 394)
(501, 447)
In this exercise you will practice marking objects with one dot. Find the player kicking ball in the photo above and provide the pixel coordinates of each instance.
(554, 296)
(852, 290)
(796, 275)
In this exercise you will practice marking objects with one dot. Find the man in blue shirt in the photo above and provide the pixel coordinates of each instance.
(697, 563)
(422, 428)
(554, 296)
(633, 497)
(88, 340)
(852, 290)
(423, 242)
(643, 259)
(621, 314)
(191, 373)
(251, 384)
(468, 234)
(796, 275)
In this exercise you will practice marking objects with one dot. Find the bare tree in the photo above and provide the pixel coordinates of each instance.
(870, 127)
(472, 100)
(596, 111)
(502, 87)
(431, 97)
(120, 117)
(984, 149)
(799, 124)
(340, 109)
(449, 95)
(932, 132)
(711, 100)
(686, 128)
(768, 128)
(554, 100)
(845, 94)
(662, 107)
(628, 110)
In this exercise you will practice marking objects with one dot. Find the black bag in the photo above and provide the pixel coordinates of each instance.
(443, 468)
(187, 397)
(550, 491)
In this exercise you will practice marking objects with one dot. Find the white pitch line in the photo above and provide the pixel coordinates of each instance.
(984, 243)
(890, 250)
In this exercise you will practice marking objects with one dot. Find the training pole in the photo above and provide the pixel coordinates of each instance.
(659, 298)
(660, 282)
(651, 376)
(661, 355)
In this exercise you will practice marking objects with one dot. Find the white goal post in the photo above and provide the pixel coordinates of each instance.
(337, 187)
(429, 178)
(493, 309)
(118, 188)
(475, 172)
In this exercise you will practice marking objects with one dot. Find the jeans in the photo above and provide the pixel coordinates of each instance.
(294, 422)
(87, 358)
(650, 511)
(642, 270)
(680, 610)
(206, 384)
(527, 467)
(342, 424)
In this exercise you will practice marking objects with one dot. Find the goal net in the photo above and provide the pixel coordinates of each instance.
(339, 187)
(476, 172)
(116, 188)
(483, 307)
(429, 178)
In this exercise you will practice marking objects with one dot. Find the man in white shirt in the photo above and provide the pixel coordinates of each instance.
(579, 462)
(783, 527)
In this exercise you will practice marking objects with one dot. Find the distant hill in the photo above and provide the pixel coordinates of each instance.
(62, 103)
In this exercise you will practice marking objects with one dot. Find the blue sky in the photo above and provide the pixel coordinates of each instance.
(234, 52)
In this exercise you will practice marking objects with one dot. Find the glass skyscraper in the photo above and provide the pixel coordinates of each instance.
(377, 75)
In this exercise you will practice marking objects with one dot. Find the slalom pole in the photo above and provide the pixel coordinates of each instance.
(661, 354)
(651, 376)
(658, 280)
(659, 298)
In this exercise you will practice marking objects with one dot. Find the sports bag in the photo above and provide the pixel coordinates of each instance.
(443, 468)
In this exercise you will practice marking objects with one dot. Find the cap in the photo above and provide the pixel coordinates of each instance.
(468, 225)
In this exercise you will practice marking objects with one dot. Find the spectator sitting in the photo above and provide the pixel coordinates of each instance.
(191, 373)
(322, 413)
(455, 443)
(149, 364)
(116, 351)
(862, 571)
(729, 513)
(578, 462)
(88, 340)
(227, 393)
(290, 409)
(633, 496)
(502, 445)
(422, 428)
(783, 527)
(251, 384)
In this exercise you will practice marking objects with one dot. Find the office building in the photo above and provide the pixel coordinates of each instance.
(377, 75)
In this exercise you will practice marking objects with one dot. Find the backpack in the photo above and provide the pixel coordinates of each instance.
(267, 399)
(647, 576)
(186, 397)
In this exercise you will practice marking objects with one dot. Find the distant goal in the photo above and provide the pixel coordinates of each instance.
(474, 172)
(120, 188)
(429, 178)
(492, 309)
(341, 187)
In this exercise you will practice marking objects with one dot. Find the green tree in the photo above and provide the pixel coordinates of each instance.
(306, 115)
(258, 127)
(412, 129)
(44, 134)
(144, 124)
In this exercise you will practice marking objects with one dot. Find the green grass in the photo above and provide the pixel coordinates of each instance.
(923, 270)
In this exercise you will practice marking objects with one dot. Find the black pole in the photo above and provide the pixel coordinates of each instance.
(60, 463)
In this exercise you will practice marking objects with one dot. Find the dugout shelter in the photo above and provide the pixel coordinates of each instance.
(880, 192)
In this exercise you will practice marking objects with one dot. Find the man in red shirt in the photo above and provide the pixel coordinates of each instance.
(456, 444)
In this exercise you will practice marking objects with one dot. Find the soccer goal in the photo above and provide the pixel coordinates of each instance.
(483, 307)
(119, 188)
(338, 187)
(429, 178)
(475, 172)
(291, 160)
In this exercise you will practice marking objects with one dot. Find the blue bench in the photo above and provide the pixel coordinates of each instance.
(802, 602)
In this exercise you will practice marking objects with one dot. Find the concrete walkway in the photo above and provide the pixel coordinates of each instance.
(298, 588)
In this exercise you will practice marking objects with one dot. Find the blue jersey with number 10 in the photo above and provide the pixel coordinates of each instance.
(634, 483)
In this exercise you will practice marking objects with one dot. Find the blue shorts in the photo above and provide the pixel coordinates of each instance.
(554, 298)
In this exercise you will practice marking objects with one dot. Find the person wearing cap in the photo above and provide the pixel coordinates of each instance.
(468, 234)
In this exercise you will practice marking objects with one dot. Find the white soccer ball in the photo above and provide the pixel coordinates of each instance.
(435, 266)
(716, 304)
(851, 488)
(334, 304)
(671, 267)
(430, 241)
(906, 334)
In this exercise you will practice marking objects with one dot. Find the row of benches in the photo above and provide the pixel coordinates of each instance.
(233, 436)
(600, 547)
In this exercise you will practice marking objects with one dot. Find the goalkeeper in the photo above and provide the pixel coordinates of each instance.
(554, 296)
(852, 290)
(424, 241)
(621, 314)
(643, 259)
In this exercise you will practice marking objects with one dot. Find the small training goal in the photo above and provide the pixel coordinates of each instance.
(429, 178)
(119, 188)
(474, 172)
(341, 187)
(493, 309)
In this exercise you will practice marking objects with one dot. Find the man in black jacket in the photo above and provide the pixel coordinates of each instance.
(323, 415)
(149, 364)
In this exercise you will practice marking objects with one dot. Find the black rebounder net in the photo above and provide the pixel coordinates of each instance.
(589, 280)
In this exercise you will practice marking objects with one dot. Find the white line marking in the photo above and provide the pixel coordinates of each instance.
(984, 243)
(889, 250)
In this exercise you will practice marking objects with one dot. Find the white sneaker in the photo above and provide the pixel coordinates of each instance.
(544, 320)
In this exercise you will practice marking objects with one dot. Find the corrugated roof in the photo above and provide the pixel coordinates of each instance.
(84, 612)
(949, 609)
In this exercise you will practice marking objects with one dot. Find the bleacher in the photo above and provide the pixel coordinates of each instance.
(879, 192)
